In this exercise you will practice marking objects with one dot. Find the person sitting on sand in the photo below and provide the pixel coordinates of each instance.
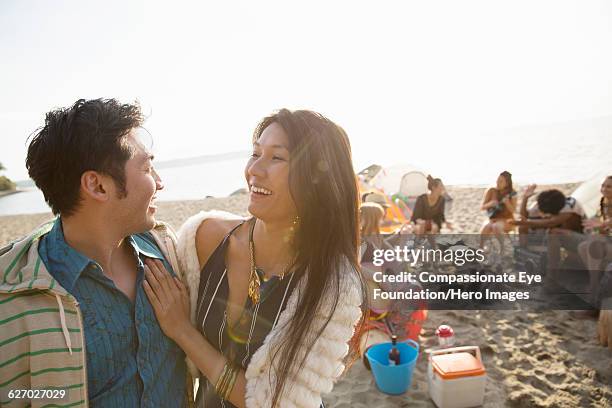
(384, 317)
(382, 200)
(602, 222)
(561, 217)
(499, 202)
(273, 299)
(552, 210)
(602, 225)
(428, 214)
(371, 216)
(596, 250)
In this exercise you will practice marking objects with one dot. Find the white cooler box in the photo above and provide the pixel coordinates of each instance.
(456, 377)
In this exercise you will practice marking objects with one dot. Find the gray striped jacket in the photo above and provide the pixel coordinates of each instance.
(42, 344)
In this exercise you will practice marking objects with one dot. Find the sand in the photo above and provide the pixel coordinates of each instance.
(547, 359)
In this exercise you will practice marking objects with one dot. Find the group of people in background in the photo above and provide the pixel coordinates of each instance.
(555, 220)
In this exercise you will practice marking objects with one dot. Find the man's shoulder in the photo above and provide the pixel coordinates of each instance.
(17, 250)
(15, 304)
(5, 249)
(34, 234)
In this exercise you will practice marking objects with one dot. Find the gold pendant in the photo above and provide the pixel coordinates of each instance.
(254, 284)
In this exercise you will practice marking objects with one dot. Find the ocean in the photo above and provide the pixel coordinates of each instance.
(192, 182)
(565, 153)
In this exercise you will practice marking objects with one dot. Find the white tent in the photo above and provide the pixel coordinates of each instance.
(588, 193)
(400, 178)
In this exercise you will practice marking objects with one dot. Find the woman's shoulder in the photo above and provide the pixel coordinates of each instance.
(208, 221)
(491, 191)
(420, 202)
(205, 230)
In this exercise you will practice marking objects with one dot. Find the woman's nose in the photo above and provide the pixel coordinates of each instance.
(159, 185)
(256, 168)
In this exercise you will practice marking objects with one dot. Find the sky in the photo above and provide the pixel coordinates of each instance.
(424, 82)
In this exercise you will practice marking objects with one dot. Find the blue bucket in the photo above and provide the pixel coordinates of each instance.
(393, 379)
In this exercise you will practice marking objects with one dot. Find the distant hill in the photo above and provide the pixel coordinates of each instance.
(25, 183)
(208, 158)
(167, 164)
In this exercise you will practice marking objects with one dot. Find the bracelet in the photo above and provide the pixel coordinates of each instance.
(226, 381)
(230, 384)
(220, 380)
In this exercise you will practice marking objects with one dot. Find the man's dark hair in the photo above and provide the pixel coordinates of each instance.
(551, 201)
(89, 135)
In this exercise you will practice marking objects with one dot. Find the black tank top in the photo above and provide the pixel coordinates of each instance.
(237, 343)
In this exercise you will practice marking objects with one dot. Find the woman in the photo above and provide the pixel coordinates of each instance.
(428, 214)
(371, 216)
(602, 223)
(596, 250)
(383, 317)
(275, 298)
(499, 202)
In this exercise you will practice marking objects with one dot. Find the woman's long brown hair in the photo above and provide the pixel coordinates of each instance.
(371, 215)
(323, 185)
(508, 177)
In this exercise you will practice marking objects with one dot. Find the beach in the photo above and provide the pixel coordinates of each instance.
(545, 359)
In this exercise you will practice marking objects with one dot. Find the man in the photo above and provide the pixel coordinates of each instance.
(552, 210)
(561, 218)
(73, 313)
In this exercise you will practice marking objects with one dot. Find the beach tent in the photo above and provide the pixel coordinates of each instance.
(394, 218)
(413, 184)
(403, 183)
(400, 178)
(588, 193)
(369, 172)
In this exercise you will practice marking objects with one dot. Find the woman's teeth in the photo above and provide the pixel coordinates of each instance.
(260, 190)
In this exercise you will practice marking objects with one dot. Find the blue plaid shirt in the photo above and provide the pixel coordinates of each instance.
(130, 362)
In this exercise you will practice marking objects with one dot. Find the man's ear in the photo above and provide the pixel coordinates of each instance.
(95, 185)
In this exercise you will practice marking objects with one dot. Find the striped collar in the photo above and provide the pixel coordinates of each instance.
(22, 269)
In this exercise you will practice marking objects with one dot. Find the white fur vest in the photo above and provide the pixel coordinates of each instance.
(324, 363)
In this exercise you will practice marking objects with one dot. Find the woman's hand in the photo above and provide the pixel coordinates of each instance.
(530, 190)
(169, 299)
(489, 204)
(406, 228)
(592, 223)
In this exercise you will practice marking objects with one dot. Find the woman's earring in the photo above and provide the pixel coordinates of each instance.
(293, 229)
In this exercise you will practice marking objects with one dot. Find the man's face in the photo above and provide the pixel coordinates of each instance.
(136, 210)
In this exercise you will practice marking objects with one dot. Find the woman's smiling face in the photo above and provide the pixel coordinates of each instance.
(267, 175)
